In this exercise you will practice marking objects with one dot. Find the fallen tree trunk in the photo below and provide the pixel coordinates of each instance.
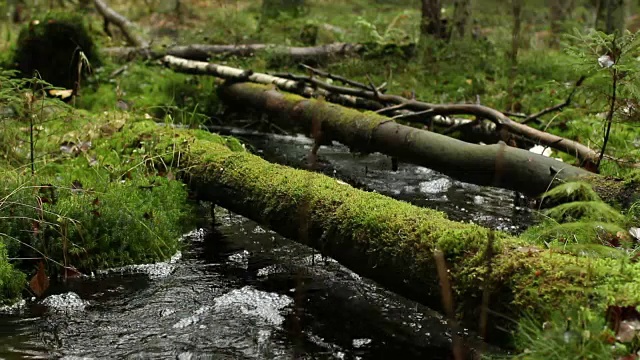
(586, 156)
(493, 165)
(374, 101)
(203, 52)
(386, 240)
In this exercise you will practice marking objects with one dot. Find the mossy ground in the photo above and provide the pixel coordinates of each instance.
(90, 203)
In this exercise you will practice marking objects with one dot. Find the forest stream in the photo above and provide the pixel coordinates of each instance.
(238, 291)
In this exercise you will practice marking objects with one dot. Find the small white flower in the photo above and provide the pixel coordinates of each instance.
(605, 61)
(635, 232)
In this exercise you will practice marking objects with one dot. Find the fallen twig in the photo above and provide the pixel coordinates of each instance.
(342, 79)
(126, 26)
(557, 107)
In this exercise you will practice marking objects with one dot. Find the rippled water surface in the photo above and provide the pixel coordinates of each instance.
(491, 207)
(238, 291)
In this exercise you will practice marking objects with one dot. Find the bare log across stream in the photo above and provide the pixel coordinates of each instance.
(386, 240)
(586, 155)
(494, 165)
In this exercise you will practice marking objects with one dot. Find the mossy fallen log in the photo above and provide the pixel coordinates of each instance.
(387, 240)
(493, 165)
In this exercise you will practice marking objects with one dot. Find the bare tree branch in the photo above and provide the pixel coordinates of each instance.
(126, 26)
(202, 52)
(557, 107)
(582, 152)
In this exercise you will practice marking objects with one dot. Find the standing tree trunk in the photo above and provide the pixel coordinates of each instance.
(461, 17)
(559, 12)
(610, 16)
(431, 23)
(516, 8)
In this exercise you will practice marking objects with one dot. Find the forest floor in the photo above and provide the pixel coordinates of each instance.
(463, 70)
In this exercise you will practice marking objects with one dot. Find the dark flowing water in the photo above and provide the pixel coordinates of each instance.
(240, 292)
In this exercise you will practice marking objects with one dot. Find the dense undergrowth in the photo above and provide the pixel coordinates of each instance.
(98, 206)
(86, 204)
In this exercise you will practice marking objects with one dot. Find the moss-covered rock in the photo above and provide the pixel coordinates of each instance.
(50, 47)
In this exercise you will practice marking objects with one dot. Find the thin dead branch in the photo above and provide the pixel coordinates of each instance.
(374, 101)
(557, 107)
(126, 26)
(342, 79)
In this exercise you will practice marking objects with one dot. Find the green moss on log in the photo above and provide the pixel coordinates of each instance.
(393, 241)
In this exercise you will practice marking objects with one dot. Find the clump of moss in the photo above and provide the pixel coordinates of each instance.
(585, 210)
(580, 334)
(50, 46)
(94, 224)
(11, 280)
(103, 206)
(581, 223)
(571, 191)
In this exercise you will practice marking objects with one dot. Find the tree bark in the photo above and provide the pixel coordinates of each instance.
(516, 12)
(559, 12)
(461, 17)
(491, 165)
(369, 98)
(431, 22)
(202, 52)
(389, 241)
(610, 16)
